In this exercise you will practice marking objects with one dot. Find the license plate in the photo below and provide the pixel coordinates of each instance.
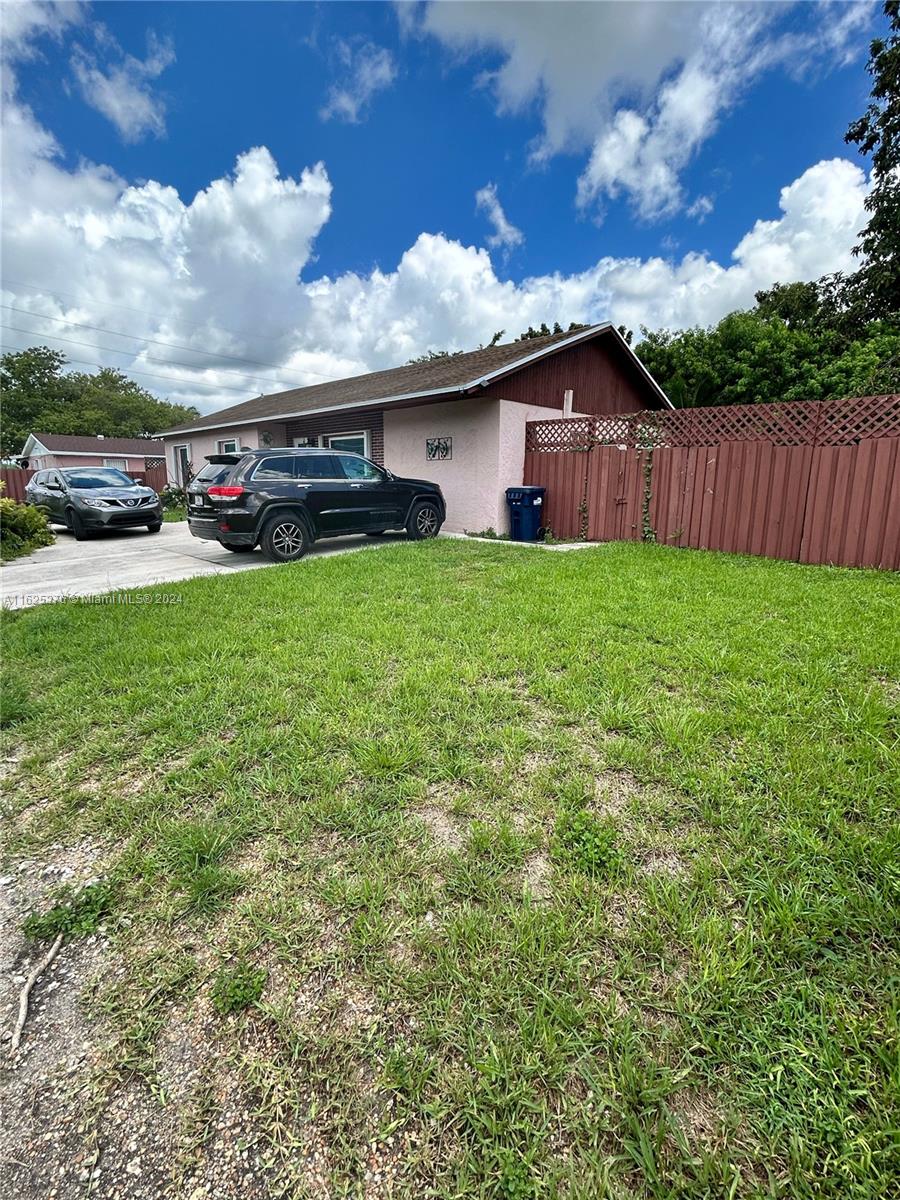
(198, 500)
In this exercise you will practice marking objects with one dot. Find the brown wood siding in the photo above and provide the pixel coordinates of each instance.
(341, 422)
(601, 375)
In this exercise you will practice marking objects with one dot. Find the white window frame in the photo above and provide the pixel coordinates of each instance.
(117, 464)
(307, 441)
(226, 442)
(177, 461)
(363, 433)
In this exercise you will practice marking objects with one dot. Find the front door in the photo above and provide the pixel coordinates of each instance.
(378, 501)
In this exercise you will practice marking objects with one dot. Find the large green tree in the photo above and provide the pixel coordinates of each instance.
(875, 287)
(39, 396)
(771, 353)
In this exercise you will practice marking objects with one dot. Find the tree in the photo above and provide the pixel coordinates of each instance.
(545, 331)
(875, 287)
(39, 397)
(758, 356)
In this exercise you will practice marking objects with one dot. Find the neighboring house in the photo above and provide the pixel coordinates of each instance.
(459, 420)
(44, 450)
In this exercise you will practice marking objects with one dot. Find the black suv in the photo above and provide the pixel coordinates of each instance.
(283, 500)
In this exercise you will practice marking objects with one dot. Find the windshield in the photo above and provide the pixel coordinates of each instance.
(90, 477)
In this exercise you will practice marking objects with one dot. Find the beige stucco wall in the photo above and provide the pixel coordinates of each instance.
(488, 454)
(202, 444)
(469, 479)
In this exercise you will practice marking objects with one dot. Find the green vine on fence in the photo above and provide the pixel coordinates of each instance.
(648, 533)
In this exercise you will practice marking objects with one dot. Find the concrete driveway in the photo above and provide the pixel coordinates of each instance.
(129, 558)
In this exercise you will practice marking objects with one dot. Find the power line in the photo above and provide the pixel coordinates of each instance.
(139, 338)
(148, 358)
(134, 371)
(32, 287)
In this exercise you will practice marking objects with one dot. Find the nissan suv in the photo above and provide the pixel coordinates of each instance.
(88, 498)
(284, 500)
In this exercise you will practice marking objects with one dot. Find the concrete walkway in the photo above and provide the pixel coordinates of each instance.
(133, 558)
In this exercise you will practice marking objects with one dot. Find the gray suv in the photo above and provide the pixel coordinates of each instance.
(88, 498)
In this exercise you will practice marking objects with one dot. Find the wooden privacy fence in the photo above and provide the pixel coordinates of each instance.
(814, 482)
(15, 479)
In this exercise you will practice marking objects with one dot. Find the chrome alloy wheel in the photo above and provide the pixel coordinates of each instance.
(427, 522)
(288, 539)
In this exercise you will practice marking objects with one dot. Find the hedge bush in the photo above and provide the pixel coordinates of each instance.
(23, 528)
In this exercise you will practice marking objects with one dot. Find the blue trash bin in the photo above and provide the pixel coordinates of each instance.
(526, 510)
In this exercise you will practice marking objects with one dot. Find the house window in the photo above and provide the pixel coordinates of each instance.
(182, 457)
(228, 446)
(306, 441)
(119, 463)
(357, 442)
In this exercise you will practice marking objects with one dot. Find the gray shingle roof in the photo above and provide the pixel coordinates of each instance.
(437, 375)
(85, 444)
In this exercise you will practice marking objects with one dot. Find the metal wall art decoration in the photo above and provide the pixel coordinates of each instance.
(438, 448)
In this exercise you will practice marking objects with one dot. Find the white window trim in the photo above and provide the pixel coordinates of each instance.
(223, 442)
(176, 461)
(309, 441)
(363, 433)
(117, 464)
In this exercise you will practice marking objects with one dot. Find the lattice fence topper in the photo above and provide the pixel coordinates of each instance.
(794, 423)
(150, 463)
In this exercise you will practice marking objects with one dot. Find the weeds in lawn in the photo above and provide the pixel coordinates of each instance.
(76, 912)
(587, 844)
(237, 985)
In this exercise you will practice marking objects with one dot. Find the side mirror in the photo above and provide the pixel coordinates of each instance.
(53, 487)
(388, 474)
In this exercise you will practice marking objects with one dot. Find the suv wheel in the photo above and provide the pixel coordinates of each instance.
(75, 523)
(424, 521)
(285, 538)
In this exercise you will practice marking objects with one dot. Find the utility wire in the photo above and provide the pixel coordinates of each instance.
(55, 337)
(43, 291)
(139, 338)
(82, 362)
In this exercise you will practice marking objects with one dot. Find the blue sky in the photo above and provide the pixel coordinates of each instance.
(621, 153)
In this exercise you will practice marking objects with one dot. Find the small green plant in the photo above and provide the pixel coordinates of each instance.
(77, 911)
(173, 497)
(23, 528)
(237, 986)
(490, 532)
(584, 843)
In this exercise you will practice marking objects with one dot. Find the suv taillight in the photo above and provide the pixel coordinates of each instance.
(221, 492)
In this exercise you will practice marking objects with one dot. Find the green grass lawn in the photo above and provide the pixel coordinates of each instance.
(511, 873)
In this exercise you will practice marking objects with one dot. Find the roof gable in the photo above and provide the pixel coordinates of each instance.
(65, 443)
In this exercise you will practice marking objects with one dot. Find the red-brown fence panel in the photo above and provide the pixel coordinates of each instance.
(853, 509)
(615, 488)
(563, 475)
(15, 479)
(815, 481)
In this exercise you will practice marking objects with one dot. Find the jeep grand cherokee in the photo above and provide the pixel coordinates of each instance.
(284, 500)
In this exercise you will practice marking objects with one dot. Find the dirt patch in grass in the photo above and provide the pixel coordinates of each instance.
(614, 792)
(698, 1115)
(537, 876)
(663, 862)
(444, 829)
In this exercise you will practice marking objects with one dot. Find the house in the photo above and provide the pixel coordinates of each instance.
(457, 420)
(44, 450)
